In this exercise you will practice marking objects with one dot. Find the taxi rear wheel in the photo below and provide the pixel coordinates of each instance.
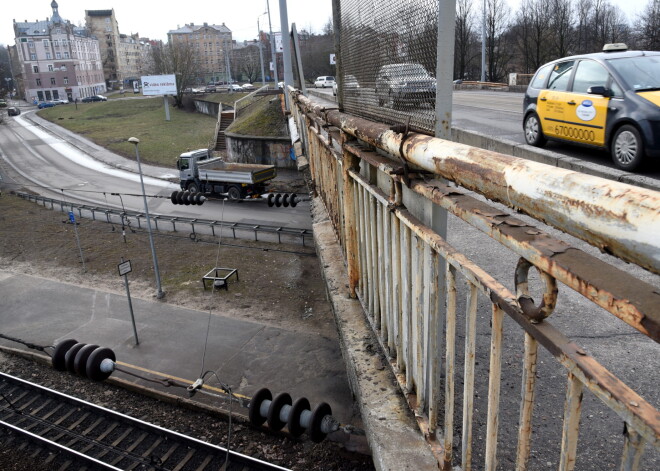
(533, 132)
(627, 148)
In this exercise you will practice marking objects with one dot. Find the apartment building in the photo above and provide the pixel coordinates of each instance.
(211, 46)
(58, 60)
(125, 57)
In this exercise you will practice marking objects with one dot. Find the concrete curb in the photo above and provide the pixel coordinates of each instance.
(394, 437)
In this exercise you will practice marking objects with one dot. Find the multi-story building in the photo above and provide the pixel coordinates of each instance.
(211, 46)
(58, 59)
(125, 57)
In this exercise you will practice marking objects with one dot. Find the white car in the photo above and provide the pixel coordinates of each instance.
(234, 87)
(248, 86)
(324, 81)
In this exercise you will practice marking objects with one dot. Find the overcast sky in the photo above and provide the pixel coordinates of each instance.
(154, 19)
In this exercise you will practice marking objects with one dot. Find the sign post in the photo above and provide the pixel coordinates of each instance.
(72, 220)
(124, 269)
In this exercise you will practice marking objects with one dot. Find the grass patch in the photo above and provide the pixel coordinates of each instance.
(110, 124)
(262, 118)
(220, 97)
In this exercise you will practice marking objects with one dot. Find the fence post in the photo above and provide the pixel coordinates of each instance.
(350, 162)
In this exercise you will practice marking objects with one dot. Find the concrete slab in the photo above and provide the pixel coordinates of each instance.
(245, 355)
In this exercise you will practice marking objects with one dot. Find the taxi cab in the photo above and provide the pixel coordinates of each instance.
(609, 100)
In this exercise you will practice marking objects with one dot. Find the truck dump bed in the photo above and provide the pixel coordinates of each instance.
(221, 171)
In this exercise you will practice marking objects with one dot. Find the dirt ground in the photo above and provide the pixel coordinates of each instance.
(280, 285)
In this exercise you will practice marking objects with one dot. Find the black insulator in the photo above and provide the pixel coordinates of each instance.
(70, 356)
(274, 421)
(293, 200)
(80, 361)
(254, 413)
(315, 433)
(285, 200)
(60, 351)
(270, 200)
(174, 197)
(293, 424)
(93, 367)
(278, 200)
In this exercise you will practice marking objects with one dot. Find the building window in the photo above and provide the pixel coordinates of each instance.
(58, 55)
(35, 69)
(66, 80)
(50, 67)
(46, 43)
(38, 82)
(52, 81)
(66, 55)
(56, 95)
(56, 42)
(33, 57)
(48, 55)
(31, 44)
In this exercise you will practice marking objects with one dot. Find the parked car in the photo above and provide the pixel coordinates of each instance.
(405, 83)
(89, 99)
(3, 104)
(324, 81)
(248, 86)
(608, 100)
(13, 111)
(234, 87)
(210, 89)
(351, 86)
(45, 104)
(60, 102)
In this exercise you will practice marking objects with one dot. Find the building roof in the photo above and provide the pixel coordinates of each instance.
(191, 28)
(99, 12)
(43, 27)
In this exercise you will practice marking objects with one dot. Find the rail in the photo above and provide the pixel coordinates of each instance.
(287, 234)
(381, 188)
(247, 98)
(104, 439)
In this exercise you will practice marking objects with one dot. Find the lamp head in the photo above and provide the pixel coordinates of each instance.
(134, 140)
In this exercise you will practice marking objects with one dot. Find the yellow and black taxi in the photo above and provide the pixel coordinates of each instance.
(609, 100)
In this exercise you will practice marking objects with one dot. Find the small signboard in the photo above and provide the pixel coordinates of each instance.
(158, 85)
(333, 59)
(124, 268)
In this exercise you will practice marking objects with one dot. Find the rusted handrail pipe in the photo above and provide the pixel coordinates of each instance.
(619, 219)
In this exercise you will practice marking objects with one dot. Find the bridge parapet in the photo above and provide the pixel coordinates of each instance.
(381, 184)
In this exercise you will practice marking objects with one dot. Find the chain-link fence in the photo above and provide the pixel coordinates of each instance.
(388, 60)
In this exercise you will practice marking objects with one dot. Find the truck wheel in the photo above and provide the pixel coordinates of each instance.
(234, 194)
(193, 188)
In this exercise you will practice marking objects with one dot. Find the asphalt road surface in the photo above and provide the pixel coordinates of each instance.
(51, 166)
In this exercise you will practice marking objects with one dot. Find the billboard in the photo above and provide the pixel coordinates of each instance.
(158, 85)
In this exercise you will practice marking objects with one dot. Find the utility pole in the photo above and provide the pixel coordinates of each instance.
(272, 43)
(286, 50)
(261, 52)
(483, 44)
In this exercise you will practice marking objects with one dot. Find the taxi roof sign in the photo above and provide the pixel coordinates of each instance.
(615, 47)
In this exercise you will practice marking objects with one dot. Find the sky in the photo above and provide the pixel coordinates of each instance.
(153, 19)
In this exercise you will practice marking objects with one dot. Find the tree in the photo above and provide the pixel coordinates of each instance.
(178, 59)
(498, 50)
(647, 27)
(465, 42)
(246, 62)
(562, 25)
(532, 33)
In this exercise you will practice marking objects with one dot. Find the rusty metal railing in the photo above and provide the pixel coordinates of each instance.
(373, 180)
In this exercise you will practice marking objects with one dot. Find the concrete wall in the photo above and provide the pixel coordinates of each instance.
(207, 107)
(260, 150)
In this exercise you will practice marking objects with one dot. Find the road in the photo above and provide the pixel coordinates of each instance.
(60, 166)
(499, 115)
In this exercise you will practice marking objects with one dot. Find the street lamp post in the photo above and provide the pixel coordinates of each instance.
(272, 43)
(159, 294)
(261, 52)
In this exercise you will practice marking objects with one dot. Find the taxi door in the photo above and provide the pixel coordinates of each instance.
(577, 115)
(551, 104)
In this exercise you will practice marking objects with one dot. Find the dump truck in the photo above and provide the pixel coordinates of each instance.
(200, 172)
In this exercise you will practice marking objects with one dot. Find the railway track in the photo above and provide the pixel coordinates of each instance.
(73, 434)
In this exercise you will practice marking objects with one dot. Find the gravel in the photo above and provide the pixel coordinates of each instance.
(277, 448)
